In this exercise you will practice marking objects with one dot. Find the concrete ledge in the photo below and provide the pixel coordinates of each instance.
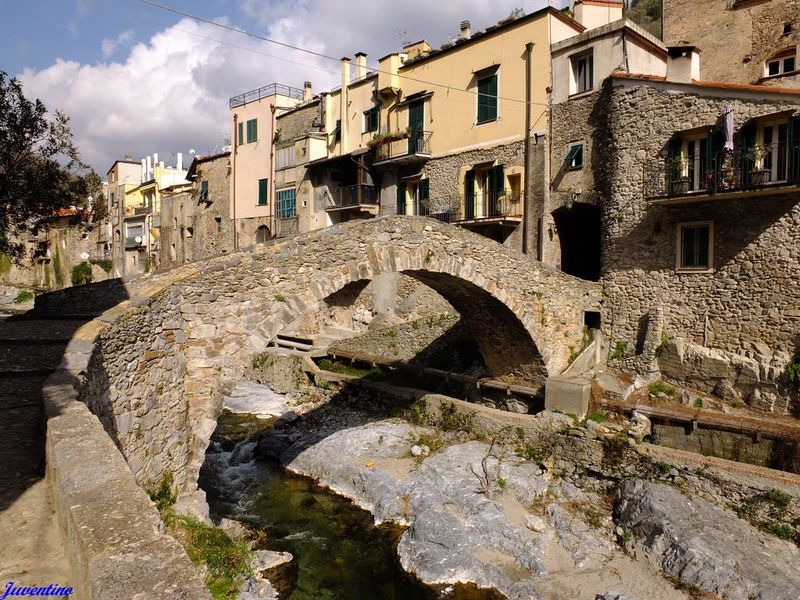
(568, 395)
(113, 535)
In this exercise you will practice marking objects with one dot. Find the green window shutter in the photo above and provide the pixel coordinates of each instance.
(793, 142)
(262, 192)
(487, 99)
(498, 174)
(401, 198)
(371, 118)
(252, 131)
(204, 190)
(240, 136)
(747, 144)
(424, 195)
(469, 195)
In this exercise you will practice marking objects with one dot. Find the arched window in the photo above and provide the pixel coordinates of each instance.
(262, 234)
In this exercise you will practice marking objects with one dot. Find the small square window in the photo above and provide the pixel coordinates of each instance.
(575, 156)
(371, 119)
(789, 64)
(487, 99)
(774, 67)
(695, 246)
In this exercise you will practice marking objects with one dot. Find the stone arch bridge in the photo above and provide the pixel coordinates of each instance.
(163, 359)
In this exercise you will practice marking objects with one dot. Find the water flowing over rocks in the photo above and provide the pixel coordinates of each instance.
(459, 531)
(706, 546)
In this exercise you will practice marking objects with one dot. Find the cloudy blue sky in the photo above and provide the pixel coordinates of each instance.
(136, 79)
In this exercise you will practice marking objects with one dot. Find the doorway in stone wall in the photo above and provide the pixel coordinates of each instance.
(578, 229)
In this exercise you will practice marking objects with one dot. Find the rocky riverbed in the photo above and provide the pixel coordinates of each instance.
(486, 511)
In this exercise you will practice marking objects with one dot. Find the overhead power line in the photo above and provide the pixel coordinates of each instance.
(262, 38)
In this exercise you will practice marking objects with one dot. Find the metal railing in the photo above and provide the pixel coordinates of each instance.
(479, 206)
(265, 92)
(417, 144)
(740, 169)
(353, 195)
(130, 242)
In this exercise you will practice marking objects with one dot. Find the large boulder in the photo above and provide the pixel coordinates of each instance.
(706, 546)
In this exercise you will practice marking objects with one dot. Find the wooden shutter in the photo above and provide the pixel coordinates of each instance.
(401, 198)
(262, 192)
(793, 142)
(469, 195)
(487, 99)
(747, 143)
(424, 195)
(240, 134)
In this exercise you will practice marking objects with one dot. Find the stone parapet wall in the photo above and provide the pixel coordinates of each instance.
(113, 534)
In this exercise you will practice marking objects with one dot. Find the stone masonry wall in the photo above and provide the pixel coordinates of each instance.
(734, 41)
(211, 221)
(750, 301)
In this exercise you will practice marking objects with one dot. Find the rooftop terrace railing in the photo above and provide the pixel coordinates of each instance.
(272, 89)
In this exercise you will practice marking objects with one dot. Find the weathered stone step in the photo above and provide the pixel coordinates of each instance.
(29, 330)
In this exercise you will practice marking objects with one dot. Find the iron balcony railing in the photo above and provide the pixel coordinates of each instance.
(740, 169)
(479, 206)
(265, 92)
(417, 144)
(353, 195)
(133, 242)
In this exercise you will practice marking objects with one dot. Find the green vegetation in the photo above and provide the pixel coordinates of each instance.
(373, 374)
(781, 530)
(417, 413)
(102, 263)
(662, 345)
(663, 467)
(429, 255)
(619, 349)
(614, 450)
(260, 360)
(780, 500)
(432, 441)
(793, 370)
(23, 296)
(597, 417)
(227, 561)
(82, 274)
(627, 536)
(161, 492)
(280, 298)
(698, 403)
(452, 419)
(646, 13)
(5, 263)
(57, 269)
(659, 387)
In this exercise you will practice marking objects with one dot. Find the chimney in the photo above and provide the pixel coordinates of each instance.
(149, 174)
(155, 158)
(179, 161)
(343, 111)
(307, 93)
(361, 65)
(683, 64)
(144, 171)
(466, 31)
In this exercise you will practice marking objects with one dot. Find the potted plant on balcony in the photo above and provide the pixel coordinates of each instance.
(755, 158)
(379, 139)
(678, 182)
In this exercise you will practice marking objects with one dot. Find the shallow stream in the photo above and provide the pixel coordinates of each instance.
(338, 553)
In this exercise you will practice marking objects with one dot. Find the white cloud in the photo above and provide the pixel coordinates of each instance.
(171, 93)
(109, 46)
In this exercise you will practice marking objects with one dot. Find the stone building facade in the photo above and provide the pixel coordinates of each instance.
(196, 223)
(762, 31)
(733, 319)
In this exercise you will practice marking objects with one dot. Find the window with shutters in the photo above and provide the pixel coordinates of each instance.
(575, 153)
(487, 99)
(485, 193)
(371, 120)
(285, 204)
(252, 131)
(695, 245)
(285, 158)
(240, 134)
(263, 192)
(582, 79)
(204, 191)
